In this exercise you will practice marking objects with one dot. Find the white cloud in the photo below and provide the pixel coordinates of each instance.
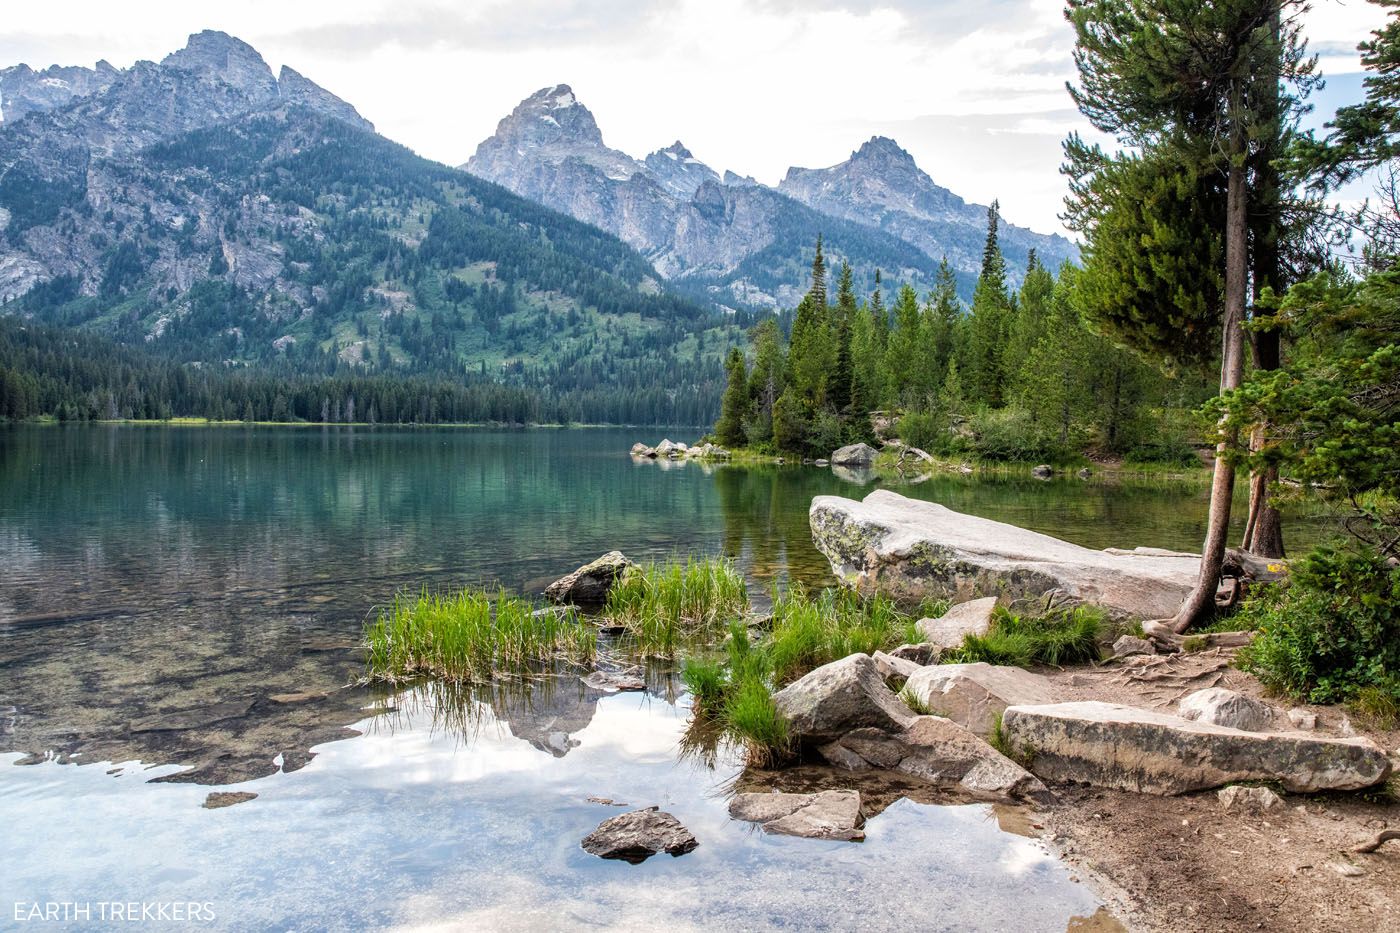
(974, 91)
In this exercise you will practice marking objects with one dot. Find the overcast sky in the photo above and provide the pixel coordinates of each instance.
(973, 88)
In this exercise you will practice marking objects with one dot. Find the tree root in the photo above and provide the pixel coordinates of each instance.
(1160, 633)
(1381, 839)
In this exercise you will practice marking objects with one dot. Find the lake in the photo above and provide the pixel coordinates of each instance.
(181, 609)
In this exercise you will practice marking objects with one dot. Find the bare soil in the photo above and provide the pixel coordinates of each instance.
(1185, 864)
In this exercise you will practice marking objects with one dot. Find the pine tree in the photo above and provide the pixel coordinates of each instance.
(766, 381)
(818, 291)
(840, 391)
(989, 321)
(943, 323)
(734, 407)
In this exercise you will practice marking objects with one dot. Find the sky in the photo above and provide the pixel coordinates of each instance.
(974, 89)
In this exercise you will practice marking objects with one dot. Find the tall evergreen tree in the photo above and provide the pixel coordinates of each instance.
(989, 322)
(818, 291)
(734, 406)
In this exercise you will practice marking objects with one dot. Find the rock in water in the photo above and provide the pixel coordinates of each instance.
(838, 697)
(1108, 745)
(637, 836)
(1044, 471)
(831, 814)
(614, 681)
(589, 585)
(975, 695)
(862, 455)
(912, 550)
(970, 618)
(1227, 708)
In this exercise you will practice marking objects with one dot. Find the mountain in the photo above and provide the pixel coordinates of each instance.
(727, 240)
(217, 213)
(880, 185)
(732, 239)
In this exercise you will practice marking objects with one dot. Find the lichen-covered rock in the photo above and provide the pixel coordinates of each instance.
(911, 550)
(1228, 708)
(860, 455)
(835, 698)
(975, 695)
(1237, 797)
(1108, 745)
(940, 752)
(589, 584)
(969, 618)
(637, 836)
(831, 814)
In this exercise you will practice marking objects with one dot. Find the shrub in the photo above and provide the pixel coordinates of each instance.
(1012, 434)
(924, 430)
(1331, 633)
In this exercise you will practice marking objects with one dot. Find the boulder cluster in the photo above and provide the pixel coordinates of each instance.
(671, 450)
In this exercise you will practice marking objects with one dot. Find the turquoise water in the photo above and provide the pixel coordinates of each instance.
(184, 604)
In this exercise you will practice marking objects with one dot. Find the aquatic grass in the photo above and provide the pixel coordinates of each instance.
(705, 680)
(470, 635)
(751, 716)
(1056, 638)
(808, 632)
(663, 604)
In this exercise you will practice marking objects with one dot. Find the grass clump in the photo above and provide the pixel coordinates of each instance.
(662, 604)
(471, 634)
(915, 702)
(1332, 634)
(1057, 638)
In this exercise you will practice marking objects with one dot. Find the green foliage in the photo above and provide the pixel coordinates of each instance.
(729, 430)
(705, 682)
(1056, 638)
(915, 702)
(1332, 633)
(751, 716)
(471, 635)
(663, 604)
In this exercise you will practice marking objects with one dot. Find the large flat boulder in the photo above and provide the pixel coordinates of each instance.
(589, 584)
(831, 814)
(1109, 745)
(940, 752)
(911, 550)
(1223, 707)
(857, 455)
(969, 618)
(838, 697)
(976, 695)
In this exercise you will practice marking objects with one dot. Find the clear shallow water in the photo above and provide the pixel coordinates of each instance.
(192, 598)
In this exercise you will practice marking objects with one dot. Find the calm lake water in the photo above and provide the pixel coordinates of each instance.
(180, 610)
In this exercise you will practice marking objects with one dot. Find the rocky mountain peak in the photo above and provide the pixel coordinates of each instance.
(24, 90)
(218, 53)
(294, 88)
(678, 171)
(551, 116)
(882, 152)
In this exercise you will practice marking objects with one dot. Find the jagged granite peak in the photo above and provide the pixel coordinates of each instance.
(736, 180)
(227, 59)
(882, 186)
(24, 91)
(678, 171)
(295, 88)
(548, 128)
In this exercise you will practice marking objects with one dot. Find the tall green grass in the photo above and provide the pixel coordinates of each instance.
(662, 605)
(1056, 638)
(470, 635)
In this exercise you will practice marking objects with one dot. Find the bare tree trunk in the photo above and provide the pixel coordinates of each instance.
(1201, 602)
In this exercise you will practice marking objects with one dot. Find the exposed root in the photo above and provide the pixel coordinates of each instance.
(1381, 839)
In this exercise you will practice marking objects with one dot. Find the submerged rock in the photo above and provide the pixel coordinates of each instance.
(969, 618)
(217, 800)
(193, 718)
(941, 752)
(589, 584)
(1227, 708)
(637, 836)
(912, 550)
(860, 455)
(831, 814)
(614, 681)
(976, 695)
(1108, 745)
(835, 698)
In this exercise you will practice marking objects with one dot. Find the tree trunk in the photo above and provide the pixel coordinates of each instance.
(1201, 602)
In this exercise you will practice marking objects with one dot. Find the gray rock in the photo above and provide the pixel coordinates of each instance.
(217, 800)
(589, 584)
(969, 618)
(1108, 745)
(1227, 708)
(1237, 797)
(1129, 645)
(894, 668)
(1085, 473)
(911, 550)
(637, 836)
(832, 814)
(613, 681)
(1302, 719)
(838, 697)
(821, 462)
(922, 654)
(942, 753)
(975, 695)
(858, 455)
(1044, 471)
(642, 450)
